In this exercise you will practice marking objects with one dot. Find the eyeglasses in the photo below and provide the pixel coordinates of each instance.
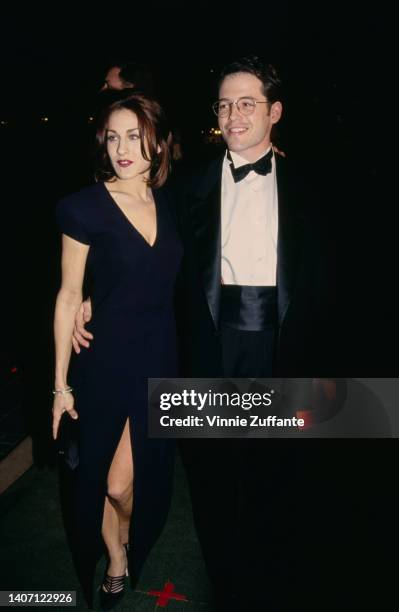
(245, 106)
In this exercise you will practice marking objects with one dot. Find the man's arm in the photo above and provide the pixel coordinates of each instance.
(81, 336)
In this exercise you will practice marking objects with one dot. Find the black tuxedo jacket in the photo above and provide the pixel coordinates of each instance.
(305, 279)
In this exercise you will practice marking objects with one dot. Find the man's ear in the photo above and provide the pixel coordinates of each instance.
(276, 110)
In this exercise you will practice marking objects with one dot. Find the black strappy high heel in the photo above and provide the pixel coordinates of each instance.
(113, 588)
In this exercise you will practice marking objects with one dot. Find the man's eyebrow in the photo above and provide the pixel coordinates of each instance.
(231, 99)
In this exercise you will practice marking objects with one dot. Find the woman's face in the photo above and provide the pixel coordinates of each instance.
(124, 145)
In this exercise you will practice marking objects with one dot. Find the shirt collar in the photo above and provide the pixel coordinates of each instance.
(238, 160)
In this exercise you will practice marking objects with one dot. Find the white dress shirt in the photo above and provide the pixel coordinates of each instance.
(249, 219)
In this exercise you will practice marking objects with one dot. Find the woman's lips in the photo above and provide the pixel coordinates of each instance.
(124, 163)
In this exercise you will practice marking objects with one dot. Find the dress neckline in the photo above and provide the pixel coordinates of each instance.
(116, 205)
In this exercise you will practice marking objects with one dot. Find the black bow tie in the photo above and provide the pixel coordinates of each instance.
(262, 166)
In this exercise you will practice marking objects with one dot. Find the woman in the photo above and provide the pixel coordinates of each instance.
(120, 233)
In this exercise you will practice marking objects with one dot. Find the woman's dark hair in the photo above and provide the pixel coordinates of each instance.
(152, 129)
(266, 73)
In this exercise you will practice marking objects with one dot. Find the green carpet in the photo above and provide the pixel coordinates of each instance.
(35, 555)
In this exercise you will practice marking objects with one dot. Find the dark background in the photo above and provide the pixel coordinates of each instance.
(336, 68)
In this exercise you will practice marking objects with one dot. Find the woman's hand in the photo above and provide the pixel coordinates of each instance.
(62, 403)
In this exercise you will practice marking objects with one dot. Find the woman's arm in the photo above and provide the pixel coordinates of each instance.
(69, 298)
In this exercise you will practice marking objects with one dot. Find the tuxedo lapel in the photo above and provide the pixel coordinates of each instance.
(205, 212)
(288, 244)
(205, 215)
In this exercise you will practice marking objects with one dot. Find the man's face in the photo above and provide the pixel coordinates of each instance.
(112, 79)
(247, 135)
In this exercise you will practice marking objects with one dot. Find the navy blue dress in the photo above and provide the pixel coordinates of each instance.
(133, 323)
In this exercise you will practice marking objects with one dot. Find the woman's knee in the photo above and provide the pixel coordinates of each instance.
(119, 491)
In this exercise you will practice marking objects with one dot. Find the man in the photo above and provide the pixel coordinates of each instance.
(232, 238)
(122, 75)
(253, 302)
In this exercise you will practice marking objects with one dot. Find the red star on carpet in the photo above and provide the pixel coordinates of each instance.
(166, 595)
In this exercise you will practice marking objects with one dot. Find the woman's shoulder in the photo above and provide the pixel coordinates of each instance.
(76, 213)
(84, 197)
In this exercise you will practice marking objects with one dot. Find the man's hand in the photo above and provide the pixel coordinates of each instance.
(80, 336)
(323, 404)
(278, 151)
(327, 387)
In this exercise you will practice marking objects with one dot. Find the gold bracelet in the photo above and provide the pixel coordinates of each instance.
(62, 391)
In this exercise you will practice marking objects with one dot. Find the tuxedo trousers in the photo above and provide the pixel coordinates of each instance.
(234, 483)
(265, 509)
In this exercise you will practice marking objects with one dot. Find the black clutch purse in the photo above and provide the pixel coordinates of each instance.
(67, 439)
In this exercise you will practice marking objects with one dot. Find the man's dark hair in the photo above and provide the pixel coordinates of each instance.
(152, 129)
(266, 73)
(137, 75)
(133, 73)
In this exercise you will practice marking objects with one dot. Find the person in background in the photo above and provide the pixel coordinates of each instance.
(128, 74)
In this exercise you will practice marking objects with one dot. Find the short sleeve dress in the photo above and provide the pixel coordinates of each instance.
(132, 290)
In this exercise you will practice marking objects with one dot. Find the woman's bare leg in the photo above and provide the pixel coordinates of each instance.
(118, 504)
